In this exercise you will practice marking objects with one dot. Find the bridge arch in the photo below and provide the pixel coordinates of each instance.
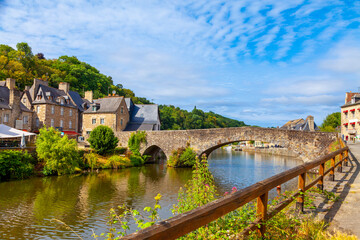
(155, 152)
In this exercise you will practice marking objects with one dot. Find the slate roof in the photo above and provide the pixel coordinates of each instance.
(75, 96)
(143, 117)
(107, 105)
(4, 100)
(299, 124)
(55, 93)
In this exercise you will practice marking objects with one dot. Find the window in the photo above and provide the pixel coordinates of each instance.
(94, 108)
(39, 97)
(122, 110)
(88, 132)
(37, 122)
(62, 101)
(102, 120)
(70, 124)
(52, 123)
(121, 122)
(24, 100)
(6, 118)
(70, 112)
(61, 123)
(62, 111)
(94, 121)
(25, 119)
(37, 109)
(52, 109)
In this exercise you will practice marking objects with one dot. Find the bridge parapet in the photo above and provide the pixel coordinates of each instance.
(308, 145)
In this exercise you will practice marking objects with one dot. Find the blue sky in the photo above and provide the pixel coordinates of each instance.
(263, 62)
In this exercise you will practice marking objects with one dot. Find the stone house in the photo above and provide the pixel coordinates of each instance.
(58, 108)
(143, 117)
(300, 124)
(109, 111)
(13, 112)
(350, 117)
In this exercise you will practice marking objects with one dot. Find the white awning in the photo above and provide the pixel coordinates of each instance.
(9, 132)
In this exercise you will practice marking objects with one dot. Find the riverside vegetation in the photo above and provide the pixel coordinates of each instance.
(58, 155)
(201, 190)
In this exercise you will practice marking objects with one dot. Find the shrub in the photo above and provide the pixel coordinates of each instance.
(120, 150)
(182, 157)
(134, 143)
(117, 162)
(91, 160)
(15, 164)
(60, 154)
(102, 139)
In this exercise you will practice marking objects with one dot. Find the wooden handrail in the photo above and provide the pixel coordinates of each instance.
(184, 223)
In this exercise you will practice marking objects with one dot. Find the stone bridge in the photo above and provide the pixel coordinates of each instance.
(307, 145)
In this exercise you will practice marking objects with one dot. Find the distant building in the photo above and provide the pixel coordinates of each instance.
(350, 116)
(143, 116)
(300, 124)
(109, 111)
(13, 112)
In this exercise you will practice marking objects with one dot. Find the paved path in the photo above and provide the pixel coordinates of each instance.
(344, 214)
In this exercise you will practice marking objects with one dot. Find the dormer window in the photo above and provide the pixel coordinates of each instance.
(62, 101)
(39, 97)
(24, 100)
(353, 100)
(94, 108)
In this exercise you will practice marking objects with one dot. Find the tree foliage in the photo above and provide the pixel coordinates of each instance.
(15, 164)
(134, 142)
(103, 140)
(22, 65)
(174, 118)
(182, 157)
(331, 121)
(59, 154)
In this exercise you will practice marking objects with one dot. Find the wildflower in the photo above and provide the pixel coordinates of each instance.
(158, 197)
(226, 193)
(234, 189)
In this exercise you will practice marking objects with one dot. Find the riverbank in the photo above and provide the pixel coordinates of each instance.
(271, 151)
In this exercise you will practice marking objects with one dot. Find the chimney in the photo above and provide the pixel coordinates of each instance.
(89, 96)
(64, 86)
(14, 102)
(310, 120)
(10, 83)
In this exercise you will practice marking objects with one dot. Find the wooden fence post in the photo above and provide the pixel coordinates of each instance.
(346, 158)
(301, 198)
(262, 202)
(332, 172)
(320, 184)
(341, 157)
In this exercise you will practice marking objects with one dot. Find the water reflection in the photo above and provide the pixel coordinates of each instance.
(83, 201)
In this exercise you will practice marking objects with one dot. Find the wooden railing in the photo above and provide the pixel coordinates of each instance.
(182, 224)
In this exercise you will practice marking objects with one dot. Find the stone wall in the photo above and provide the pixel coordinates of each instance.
(307, 145)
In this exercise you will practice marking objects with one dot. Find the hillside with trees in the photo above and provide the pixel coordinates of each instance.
(22, 65)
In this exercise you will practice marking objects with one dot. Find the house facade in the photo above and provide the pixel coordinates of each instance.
(13, 112)
(53, 107)
(109, 111)
(350, 117)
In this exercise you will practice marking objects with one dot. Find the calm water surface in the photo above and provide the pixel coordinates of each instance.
(27, 207)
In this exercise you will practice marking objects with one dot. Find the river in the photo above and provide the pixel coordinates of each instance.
(82, 201)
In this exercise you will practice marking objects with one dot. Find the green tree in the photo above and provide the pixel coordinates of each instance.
(15, 164)
(103, 140)
(331, 121)
(59, 154)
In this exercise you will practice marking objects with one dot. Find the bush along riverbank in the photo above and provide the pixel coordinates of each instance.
(58, 155)
(182, 157)
(201, 190)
